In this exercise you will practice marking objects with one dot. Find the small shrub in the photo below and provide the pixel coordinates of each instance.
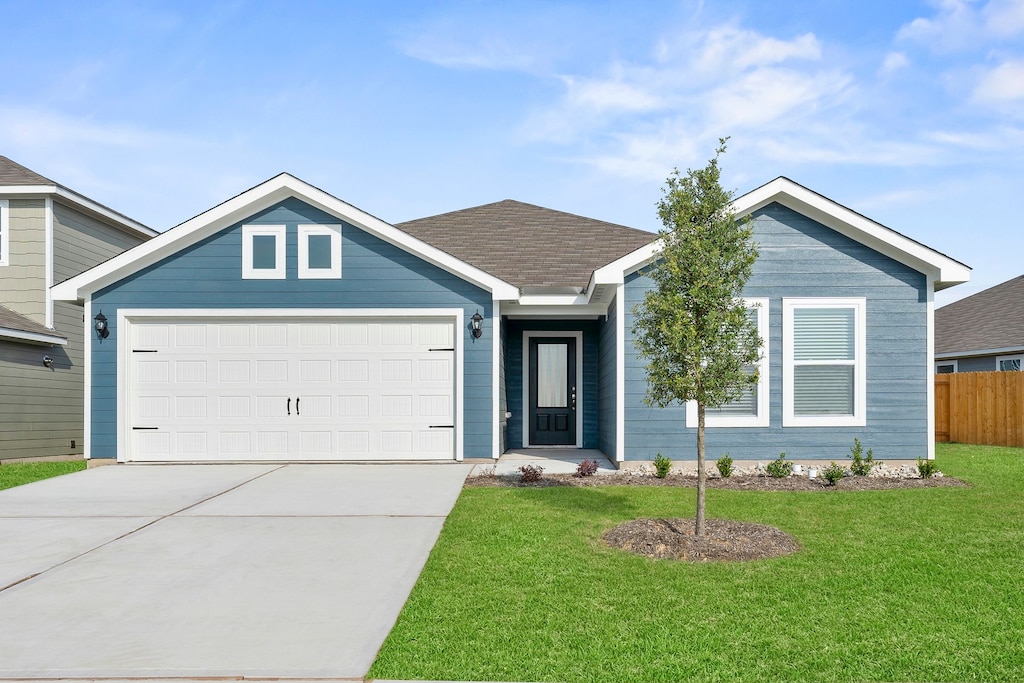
(861, 464)
(832, 474)
(724, 465)
(530, 473)
(780, 467)
(587, 468)
(926, 468)
(662, 466)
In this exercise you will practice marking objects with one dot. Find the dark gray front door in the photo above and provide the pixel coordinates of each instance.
(552, 391)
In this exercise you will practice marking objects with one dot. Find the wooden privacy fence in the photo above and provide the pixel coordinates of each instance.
(980, 408)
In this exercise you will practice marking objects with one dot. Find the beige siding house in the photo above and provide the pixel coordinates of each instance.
(48, 234)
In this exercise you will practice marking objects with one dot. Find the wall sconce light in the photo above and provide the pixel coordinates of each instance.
(48, 361)
(102, 330)
(478, 322)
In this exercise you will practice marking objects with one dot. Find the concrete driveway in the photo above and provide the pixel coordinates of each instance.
(291, 571)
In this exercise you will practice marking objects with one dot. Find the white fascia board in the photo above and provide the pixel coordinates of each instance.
(564, 312)
(32, 337)
(614, 273)
(980, 352)
(81, 202)
(253, 201)
(946, 271)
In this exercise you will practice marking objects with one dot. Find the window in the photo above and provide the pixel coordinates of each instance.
(945, 367)
(823, 362)
(750, 409)
(263, 252)
(5, 222)
(1009, 363)
(319, 251)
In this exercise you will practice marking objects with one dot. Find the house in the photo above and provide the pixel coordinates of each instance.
(983, 332)
(48, 233)
(286, 324)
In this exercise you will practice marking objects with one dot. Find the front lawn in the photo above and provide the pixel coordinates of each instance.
(916, 585)
(16, 474)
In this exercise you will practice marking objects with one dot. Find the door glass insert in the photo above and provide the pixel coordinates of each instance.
(552, 375)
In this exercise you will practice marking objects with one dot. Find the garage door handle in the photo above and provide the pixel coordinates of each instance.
(289, 406)
(442, 426)
(296, 405)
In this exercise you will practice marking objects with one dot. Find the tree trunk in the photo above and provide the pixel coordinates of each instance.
(701, 474)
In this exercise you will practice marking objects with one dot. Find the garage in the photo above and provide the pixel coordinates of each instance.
(274, 389)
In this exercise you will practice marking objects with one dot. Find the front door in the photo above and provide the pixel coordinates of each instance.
(552, 391)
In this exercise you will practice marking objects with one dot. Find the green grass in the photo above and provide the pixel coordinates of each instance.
(16, 474)
(915, 585)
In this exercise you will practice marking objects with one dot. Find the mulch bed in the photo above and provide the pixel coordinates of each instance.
(723, 540)
(736, 483)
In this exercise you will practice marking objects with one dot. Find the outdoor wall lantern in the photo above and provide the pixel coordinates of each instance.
(48, 361)
(102, 331)
(478, 325)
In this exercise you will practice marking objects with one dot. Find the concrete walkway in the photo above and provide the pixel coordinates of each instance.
(196, 571)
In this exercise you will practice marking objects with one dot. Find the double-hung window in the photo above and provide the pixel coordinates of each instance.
(5, 230)
(263, 252)
(823, 362)
(751, 408)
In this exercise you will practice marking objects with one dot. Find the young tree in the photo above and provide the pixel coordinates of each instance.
(693, 328)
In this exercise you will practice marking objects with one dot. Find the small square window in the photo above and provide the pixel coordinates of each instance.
(319, 251)
(263, 252)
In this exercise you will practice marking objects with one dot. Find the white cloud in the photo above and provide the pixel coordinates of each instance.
(730, 49)
(616, 94)
(1004, 83)
(966, 25)
(894, 61)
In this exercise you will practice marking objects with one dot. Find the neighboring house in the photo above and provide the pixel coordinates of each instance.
(285, 324)
(48, 233)
(983, 332)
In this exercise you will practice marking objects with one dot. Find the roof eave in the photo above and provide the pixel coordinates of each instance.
(252, 201)
(123, 222)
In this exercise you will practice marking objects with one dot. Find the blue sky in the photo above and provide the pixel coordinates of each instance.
(909, 112)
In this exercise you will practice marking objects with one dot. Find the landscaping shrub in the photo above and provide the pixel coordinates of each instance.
(779, 467)
(724, 465)
(861, 464)
(530, 473)
(832, 474)
(587, 468)
(926, 468)
(662, 465)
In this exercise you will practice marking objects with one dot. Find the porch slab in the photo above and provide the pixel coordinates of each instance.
(553, 460)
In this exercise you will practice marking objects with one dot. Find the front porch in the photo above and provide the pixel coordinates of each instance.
(553, 460)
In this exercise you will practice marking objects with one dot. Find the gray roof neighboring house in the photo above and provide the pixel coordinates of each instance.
(17, 323)
(529, 246)
(989, 321)
(14, 175)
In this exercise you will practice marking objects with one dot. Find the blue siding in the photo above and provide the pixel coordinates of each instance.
(375, 274)
(514, 374)
(802, 258)
(608, 399)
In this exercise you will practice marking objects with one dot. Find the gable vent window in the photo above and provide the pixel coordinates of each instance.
(319, 251)
(823, 362)
(751, 408)
(5, 222)
(263, 251)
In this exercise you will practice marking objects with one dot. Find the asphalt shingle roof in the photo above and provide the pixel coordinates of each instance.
(9, 320)
(990, 319)
(527, 245)
(12, 173)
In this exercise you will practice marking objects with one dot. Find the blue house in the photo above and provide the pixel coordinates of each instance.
(286, 324)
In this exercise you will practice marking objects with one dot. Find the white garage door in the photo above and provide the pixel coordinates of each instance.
(272, 390)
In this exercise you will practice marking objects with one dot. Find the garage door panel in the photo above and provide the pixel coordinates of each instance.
(295, 390)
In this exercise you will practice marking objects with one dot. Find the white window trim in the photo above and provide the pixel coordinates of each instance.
(762, 418)
(952, 362)
(250, 273)
(1016, 356)
(5, 229)
(307, 273)
(859, 417)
